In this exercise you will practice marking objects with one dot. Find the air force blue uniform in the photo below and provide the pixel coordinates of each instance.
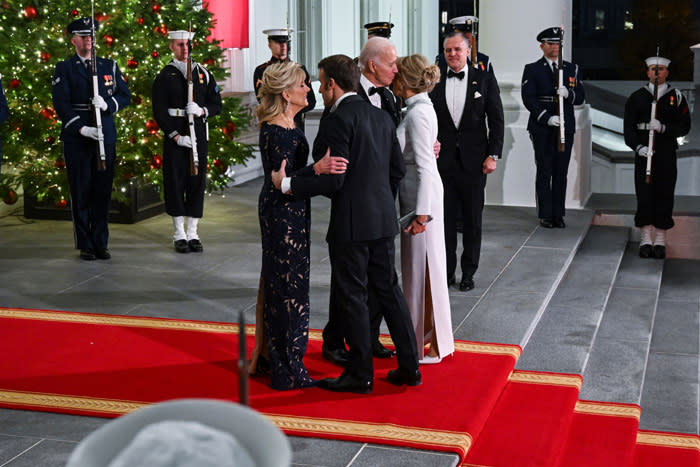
(91, 190)
(539, 93)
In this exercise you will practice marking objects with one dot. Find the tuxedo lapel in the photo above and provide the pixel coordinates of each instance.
(361, 92)
(472, 87)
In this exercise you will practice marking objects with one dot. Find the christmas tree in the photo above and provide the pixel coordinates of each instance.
(135, 34)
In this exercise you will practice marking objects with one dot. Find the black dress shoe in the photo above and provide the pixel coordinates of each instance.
(401, 376)
(338, 356)
(659, 251)
(88, 254)
(346, 383)
(466, 284)
(558, 222)
(102, 253)
(379, 351)
(646, 251)
(181, 246)
(195, 245)
(451, 280)
(547, 223)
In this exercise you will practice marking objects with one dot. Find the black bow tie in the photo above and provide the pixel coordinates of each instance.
(373, 90)
(452, 74)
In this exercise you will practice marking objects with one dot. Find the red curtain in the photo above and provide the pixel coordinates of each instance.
(231, 17)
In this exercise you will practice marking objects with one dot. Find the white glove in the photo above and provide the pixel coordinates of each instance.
(194, 109)
(184, 141)
(563, 92)
(656, 125)
(643, 151)
(89, 132)
(553, 120)
(99, 103)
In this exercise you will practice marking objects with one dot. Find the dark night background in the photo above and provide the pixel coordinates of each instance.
(611, 39)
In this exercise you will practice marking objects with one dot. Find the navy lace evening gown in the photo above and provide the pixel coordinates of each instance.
(285, 227)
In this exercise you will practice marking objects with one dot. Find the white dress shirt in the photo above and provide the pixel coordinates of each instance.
(456, 95)
(375, 99)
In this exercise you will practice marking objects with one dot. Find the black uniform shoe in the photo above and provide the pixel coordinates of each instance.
(466, 284)
(659, 251)
(400, 376)
(346, 383)
(547, 223)
(87, 254)
(338, 356)
(451, 280)
(181, 246)
(646, 251)
(558, 223)
(195, 245)
(379, 351)
(102, 253)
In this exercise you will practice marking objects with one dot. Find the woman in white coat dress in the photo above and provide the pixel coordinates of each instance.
(423, 243)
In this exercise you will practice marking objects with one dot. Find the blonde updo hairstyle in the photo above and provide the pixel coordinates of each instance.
(417, 73)
(276, 79)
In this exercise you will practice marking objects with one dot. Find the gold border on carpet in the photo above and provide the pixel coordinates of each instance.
(675, 440)
(610, 409)
(55, 401)
(533, 377)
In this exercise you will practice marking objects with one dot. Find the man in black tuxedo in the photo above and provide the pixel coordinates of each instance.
(466, 99)
(362, 225)
(377, 69)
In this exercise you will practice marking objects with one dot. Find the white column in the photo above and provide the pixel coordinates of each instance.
(508, 32)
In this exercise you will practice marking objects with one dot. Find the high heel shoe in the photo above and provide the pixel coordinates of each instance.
(429, 360)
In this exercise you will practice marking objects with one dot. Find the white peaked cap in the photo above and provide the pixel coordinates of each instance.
(660, 61)
(279, 31)
(464, 20)
(179, 35)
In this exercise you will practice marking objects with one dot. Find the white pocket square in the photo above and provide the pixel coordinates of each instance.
(477, 95)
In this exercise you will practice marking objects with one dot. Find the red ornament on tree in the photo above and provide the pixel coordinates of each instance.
(152, 127)
(163, 29)
(15, 83)
(132, 140)
(154, 54)
(45, 57)
(156, 161)
(109, 40)
(132, 63)
(156, 8)
(61, 203)
(209, 61)
(229, 129)
(139, 20)
(60, 164)
(51, 140)
(30, 12)
(10, 197)
(74, 13)
(101, 17)
(136, 100)
(48, 113)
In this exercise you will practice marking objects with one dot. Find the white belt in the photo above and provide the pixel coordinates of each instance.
(177, 112)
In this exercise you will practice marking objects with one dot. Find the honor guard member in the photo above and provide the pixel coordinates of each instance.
(540, 93)
(90, 188)
(379, 29)
(672, 120)
(467, 25)
(4, 112)
(280, 43)
(184, 192)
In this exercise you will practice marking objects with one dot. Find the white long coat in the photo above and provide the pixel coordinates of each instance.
(421, 190)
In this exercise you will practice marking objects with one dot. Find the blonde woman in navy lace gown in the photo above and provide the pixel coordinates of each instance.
(284, 225)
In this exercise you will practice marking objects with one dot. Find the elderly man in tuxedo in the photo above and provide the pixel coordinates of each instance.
(470, 121)
(362, 223)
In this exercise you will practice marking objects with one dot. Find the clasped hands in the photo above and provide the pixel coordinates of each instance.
(418, 225)
(327, 165)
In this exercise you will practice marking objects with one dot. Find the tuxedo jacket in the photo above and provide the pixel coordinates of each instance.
(539, 93)
(480, 130)
(362, 203)
(392, 105)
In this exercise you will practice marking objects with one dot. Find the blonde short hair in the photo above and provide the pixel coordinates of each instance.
(276, 79)
(417, 73)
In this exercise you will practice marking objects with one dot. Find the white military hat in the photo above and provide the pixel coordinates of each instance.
(279, 34)
(659, 61)
(180, 35)
(464, 23)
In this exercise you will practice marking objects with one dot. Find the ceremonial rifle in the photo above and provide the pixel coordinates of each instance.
(97, 113)
(560, 82)
(652, 134)
(194, 158)
(475, 32)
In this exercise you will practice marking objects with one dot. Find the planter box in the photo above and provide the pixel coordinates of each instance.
(144, 202)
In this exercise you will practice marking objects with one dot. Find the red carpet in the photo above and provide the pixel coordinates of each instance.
(472, 404)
